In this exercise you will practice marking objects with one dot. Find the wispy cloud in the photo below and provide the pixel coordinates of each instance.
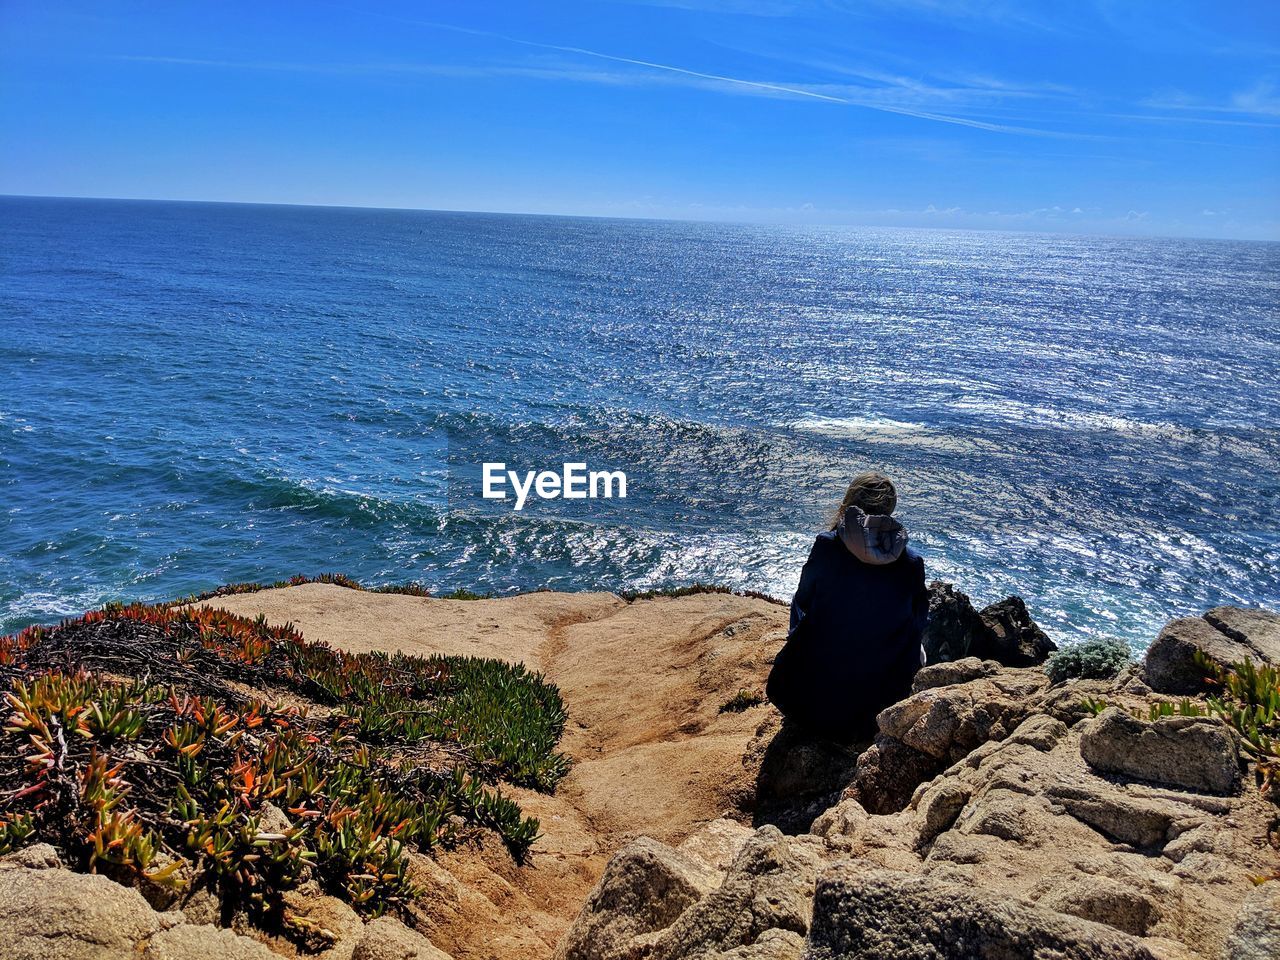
(973, 101)
(1261, 99)
(828, 93)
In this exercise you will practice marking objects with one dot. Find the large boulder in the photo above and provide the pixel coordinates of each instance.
(644, 889)
(768, 887)
(648, 905)
(947, 722)
(56, 913)
(191, 942)
(1012, 637)
(46, 911)
(1003, 631)
(861, 914)
(717, 843)
(1224, 635)
(954, 627)
(388, 939)
(888, 773)
(1197, 753)
(1259, 630)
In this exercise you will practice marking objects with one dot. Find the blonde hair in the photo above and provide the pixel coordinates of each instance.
(871, 492)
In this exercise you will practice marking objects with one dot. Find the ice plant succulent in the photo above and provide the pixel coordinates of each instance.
(131, 744)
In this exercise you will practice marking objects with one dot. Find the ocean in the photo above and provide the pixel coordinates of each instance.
(196, 394)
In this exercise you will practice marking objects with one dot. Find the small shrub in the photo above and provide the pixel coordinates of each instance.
(464, 594)
(1248, 698)
(1098, 659)
(631, 596)
(742, 700)
(1093, 707)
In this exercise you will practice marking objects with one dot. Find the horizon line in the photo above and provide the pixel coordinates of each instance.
(645, 219)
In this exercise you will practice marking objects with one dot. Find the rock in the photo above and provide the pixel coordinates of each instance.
(772, 945)
(1004, 814)
(38, 856)
(1003, 631)
(954, 627)
(939, 807)
(1040, 731)
(73, 916)
(190, 942)
(1256, 934)
(947, 673)
(717, 843)
(388, 939)
(1012, 637)
(200, 904)
(319, 920)
(948, 722)
(798, 776)
(644, 888)
(889, 772)
(271, 819)
(1199, 753)
(798, 765)
(1103, 900)
(768, 887)
(1259, 630)
(846, 819)
(887, 915)
(1139, 823)
(1226, 635)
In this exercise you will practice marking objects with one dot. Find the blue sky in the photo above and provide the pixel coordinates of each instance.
(1114, 116)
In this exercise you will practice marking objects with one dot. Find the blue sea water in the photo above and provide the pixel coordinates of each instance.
(200, 393)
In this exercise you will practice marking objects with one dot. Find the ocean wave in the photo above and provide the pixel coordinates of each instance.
(900, 433)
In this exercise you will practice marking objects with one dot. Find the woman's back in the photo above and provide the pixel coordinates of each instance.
(856, 623)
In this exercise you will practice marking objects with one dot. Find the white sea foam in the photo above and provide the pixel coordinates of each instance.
(46, 606)
(901, 433)
(1014, 411)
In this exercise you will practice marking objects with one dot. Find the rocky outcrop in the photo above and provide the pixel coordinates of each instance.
(52, 912)
(958, 707)
(1012, 637)
(997, 817)
(654, 902)
(994, 817)
(49, 911)
(1224, 635)
(954, 628)
(1003, 631)
(645, 888)
(887, 915)
(1196, 753)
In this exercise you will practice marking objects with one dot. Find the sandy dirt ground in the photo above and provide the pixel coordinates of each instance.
(653, 755)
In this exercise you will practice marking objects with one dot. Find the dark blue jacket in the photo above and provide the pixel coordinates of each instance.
(854, 643)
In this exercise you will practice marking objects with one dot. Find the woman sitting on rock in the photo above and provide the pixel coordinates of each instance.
(856, 620)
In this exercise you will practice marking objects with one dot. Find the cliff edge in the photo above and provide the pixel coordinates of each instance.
(995, 815)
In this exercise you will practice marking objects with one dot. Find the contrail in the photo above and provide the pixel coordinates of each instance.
(755, 84)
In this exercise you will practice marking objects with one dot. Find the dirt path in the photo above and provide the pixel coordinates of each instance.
(653, 754)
